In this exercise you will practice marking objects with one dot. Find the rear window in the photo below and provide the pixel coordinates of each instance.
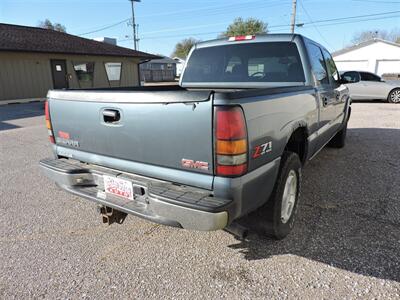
(245, 63)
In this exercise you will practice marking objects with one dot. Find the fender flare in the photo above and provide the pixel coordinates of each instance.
(299, 124)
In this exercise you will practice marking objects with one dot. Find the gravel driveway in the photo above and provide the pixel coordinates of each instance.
(346, 243)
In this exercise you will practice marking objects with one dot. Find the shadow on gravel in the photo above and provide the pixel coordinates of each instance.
(349, 214)
(19, 111)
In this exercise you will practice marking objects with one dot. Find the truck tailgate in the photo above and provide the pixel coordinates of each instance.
(153, 128)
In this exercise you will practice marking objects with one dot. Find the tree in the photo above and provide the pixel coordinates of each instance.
(250, 26)
(362, 36)
(182, 48)
(47, 24)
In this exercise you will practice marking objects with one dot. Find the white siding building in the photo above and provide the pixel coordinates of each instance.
(376, 56)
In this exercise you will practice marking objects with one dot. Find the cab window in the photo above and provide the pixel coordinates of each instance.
(318, 64)
(330, 65)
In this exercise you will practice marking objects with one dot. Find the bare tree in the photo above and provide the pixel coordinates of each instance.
(47, 24)
(362, 36)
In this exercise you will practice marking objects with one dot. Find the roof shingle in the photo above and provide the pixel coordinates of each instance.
(34, 39)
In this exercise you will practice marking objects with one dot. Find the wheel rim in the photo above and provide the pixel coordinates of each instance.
(395, 96)
(289, 196)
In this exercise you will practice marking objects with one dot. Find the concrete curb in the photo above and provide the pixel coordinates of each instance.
(18, 101)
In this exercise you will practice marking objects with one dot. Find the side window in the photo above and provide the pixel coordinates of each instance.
(84, 71)
(113, 70)
(351, 77)
(318, 64)
(330, 64)
(369, 77)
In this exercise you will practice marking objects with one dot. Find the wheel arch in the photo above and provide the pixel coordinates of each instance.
(297, 141)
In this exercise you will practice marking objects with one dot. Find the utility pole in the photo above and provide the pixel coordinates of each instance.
(135, 39)
(293, 19)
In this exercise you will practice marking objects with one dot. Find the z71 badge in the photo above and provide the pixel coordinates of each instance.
(262, 150)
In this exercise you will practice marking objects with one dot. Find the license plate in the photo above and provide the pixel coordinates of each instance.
(118, 187)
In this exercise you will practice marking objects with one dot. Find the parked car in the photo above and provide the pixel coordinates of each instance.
(233, 138)
(369, 86)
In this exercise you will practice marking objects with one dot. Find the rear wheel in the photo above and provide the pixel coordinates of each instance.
(281, 208)
(394, 96)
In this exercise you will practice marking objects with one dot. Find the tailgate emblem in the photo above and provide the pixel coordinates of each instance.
(191, 164)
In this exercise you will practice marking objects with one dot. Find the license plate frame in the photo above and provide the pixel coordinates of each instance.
(118, 187)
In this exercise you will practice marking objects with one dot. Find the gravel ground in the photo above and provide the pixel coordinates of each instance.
(345, 245)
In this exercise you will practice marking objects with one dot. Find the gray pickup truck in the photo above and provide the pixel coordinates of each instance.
(250, 111)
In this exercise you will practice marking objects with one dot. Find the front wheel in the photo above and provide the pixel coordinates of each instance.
(394, 96)
(281, 208)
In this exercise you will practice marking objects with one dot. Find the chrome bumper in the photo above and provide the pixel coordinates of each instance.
(160, 202)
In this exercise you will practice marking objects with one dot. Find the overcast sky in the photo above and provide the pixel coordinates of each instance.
(163, 23)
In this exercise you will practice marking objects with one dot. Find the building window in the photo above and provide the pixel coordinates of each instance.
(84, 71)
(113, 70)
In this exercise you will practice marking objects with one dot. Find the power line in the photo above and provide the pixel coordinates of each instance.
(217, 8)
(375, 1)
(210, 11)
(344, 20)
(315, 27)
(106, 27)
(358, 21)
(356, 17)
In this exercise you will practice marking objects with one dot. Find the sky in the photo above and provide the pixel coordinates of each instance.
(164, 23)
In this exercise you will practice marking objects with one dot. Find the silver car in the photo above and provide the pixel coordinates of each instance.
(368, 86)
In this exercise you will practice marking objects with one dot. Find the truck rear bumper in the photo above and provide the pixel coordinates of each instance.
(158, 201)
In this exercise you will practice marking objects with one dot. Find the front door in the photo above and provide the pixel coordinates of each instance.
(325, 94)
(59, 72)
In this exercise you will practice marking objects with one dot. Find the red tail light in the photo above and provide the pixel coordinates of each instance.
(230, 141)
(48, 122)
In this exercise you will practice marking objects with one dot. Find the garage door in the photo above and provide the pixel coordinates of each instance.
(388, 67)
(354, 65)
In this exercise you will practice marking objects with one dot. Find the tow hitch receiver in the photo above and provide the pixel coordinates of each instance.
(110, 215)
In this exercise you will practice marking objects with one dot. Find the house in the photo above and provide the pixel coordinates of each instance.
(34, 60)
(157, 70)
(180, 64)
(376, 56)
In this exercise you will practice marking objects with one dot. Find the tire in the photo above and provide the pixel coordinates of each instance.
(339, 140)
(394, 96)
(277, 223)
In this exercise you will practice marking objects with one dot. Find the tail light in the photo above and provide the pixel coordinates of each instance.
(48, 122)
(230, 141)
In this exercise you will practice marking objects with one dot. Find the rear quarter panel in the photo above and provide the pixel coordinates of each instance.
(273, 118)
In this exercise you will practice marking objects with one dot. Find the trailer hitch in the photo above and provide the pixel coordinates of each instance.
(111, 215)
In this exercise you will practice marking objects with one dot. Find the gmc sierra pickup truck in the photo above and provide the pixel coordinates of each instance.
(250, 111)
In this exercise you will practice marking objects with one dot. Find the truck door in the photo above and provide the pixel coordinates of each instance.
(325, 95)
(339, 91)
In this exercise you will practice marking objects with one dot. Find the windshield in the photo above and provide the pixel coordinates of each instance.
(269, 62)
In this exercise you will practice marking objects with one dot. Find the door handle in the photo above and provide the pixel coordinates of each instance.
(111, 115)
